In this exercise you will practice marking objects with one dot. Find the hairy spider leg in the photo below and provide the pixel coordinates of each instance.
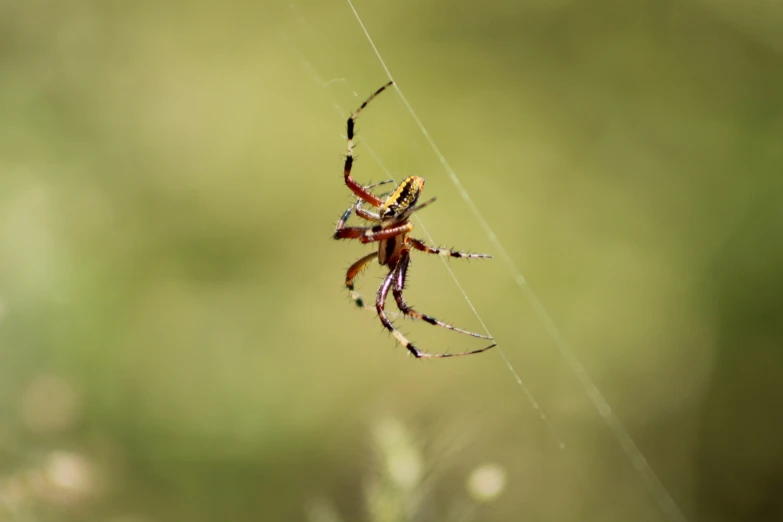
(380, 304)
(366, 214)
(419, 207)
(353, 271)
(357, 207)
(399, 286)
(418, 244)
(352, 184)
(378, 184)
(371, 234)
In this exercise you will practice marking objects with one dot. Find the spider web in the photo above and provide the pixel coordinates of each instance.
(631, 450)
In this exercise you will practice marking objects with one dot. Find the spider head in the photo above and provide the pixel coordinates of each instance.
(399, 205)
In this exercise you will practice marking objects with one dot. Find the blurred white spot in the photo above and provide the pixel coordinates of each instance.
(486, 482)
(403, 461)
(405, 469)
(64, 479)
(70, 472)
(49, 405)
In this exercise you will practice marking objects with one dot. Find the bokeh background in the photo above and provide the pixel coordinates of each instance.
(175, 340)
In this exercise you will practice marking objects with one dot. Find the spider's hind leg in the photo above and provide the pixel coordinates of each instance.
(397, 277)
(399, 284)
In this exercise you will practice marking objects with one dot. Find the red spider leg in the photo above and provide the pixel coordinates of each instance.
(352, 184)
(371, 234)
(354, 270)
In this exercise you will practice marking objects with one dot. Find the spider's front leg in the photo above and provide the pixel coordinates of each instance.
(360, 191)
(356, 207)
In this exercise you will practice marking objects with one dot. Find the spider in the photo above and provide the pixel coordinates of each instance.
(391, 229)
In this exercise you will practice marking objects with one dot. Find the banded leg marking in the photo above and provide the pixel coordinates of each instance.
(399, 285)
(380, 304)
(418, 244)
(360, 191)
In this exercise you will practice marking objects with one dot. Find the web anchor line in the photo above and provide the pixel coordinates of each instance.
(632, 451)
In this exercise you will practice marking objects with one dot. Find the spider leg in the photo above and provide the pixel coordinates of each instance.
(399, 285)
(356, 207)
(352, 184)
(380, 304)
(418, 244)
(371, 234)
(354, 270)
(384, 182)
(366, 214)
(419, 207)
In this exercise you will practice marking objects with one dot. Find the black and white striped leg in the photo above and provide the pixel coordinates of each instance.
(418, 244)
(398, 287)
(352, 184)
(419, 207)
(380, 304)
(378, 184)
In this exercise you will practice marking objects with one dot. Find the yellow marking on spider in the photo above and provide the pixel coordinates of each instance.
(403, 197)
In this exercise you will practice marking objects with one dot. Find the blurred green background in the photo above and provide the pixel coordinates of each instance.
(175, 340)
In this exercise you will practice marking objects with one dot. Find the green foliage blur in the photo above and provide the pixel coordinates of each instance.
(176, 343)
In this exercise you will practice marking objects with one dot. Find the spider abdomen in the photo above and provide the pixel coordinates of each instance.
(397, 205)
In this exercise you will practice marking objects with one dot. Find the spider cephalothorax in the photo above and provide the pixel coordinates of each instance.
(391, 228)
